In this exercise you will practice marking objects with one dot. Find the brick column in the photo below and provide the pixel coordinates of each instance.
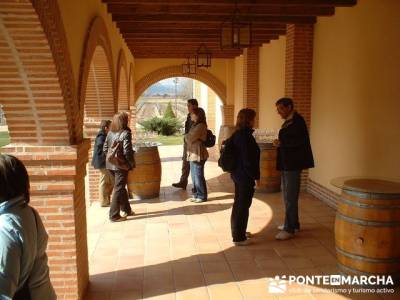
(91, 128)
(228, 114)
(298, 72)
(58, 193)
(211, 113)
(251, 60)
(132, 121)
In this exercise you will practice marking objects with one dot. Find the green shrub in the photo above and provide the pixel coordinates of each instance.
(169, 113)
(163, 126)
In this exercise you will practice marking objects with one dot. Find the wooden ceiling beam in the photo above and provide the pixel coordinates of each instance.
(205, 38)
(196, 31)
(254, 3)
(166, 18)
(133, 26)
(182, 55)
(223, 12)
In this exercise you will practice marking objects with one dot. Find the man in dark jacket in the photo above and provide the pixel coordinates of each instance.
(294, 155)
(191, 103)
(99, 163)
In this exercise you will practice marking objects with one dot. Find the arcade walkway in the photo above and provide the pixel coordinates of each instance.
(174, 249)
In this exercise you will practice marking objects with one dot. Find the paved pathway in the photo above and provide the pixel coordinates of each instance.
(174, 249)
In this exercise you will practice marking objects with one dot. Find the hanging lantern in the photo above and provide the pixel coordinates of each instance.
(189, 67)
(203, 57)
(235, 33)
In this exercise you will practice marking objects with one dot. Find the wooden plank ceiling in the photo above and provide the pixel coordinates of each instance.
(176, 28)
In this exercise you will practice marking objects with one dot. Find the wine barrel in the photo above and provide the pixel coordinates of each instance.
(225, 132)
(367, 231)
(270, 178)
(144, 181)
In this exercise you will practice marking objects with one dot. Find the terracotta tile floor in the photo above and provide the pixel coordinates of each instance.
(175, 249)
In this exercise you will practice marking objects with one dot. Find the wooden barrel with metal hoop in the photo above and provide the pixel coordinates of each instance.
(367, 227)
(225, 132)
(270, 178)
(144, 181)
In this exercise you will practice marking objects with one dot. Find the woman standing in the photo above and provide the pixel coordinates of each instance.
(24, 273)
(197, 153)
(120, 132)
(245, 175)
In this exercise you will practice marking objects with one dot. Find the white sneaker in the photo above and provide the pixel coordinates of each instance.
(242, 243)
(282, 227)
(284, 235)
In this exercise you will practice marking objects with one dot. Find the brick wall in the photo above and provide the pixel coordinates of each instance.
(228, 115)
(298, 71)
(57, 192)
(251, 61)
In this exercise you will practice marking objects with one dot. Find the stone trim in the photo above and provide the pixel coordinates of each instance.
(329, 197)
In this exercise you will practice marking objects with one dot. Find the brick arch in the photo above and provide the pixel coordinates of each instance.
(96, 86)
(36, 82)
(122, 83)
(97, 90)
(131, 84)
(176, 71)
(131, 98)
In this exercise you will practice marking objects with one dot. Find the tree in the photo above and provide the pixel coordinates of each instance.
(169, 113)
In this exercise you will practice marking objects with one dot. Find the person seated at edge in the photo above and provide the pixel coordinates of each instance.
(197, 153)
(99, 163)
(294, 155)
(120, 199)
(191, 104)
(24, 273)
(246, 174)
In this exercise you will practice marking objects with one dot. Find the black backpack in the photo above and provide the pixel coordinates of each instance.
(227, 160)
(210, 141)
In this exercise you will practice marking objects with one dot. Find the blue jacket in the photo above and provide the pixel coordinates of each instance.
(248, 157)
(99, 158)
(23, 242)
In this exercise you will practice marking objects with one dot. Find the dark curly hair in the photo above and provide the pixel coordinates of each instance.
(14, 179)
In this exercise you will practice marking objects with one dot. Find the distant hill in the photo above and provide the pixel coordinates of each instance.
(167, 88)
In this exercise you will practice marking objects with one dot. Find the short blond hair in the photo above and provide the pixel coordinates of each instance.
(119, 122)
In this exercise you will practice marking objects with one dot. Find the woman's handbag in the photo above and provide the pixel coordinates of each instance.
(115, 155)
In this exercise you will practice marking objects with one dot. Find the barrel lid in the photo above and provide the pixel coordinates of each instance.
(146, 145)
(375, 185)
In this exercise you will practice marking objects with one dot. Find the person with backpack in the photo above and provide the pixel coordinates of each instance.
(245, 173)
(24, 272)
(99, 163)
(119, 161)
(197, 153)
(294, 155)
(191, 104)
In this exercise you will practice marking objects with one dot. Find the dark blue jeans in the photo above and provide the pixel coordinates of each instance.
(291, 189)
(240, 210)
(199, 182)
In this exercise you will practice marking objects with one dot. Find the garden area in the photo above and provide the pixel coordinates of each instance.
(166, 130)
(4, 138)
